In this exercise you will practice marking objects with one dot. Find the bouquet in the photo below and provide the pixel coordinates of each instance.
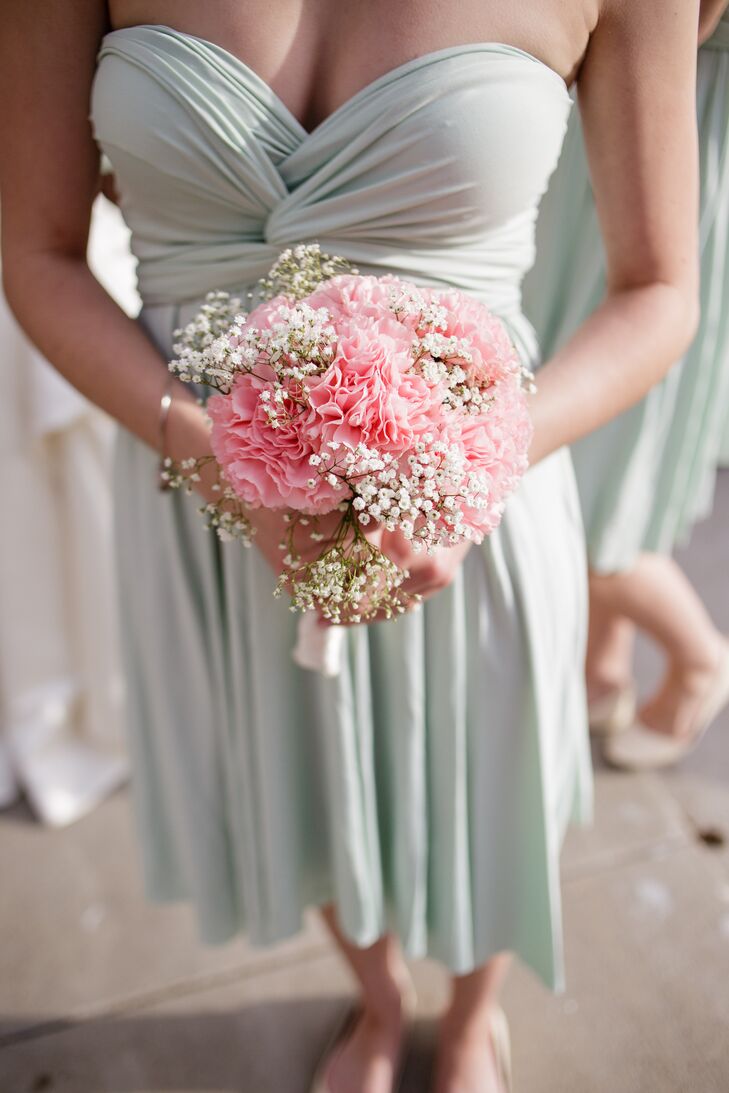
(393, 407)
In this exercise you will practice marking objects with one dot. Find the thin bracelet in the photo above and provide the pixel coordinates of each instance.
(165, 404)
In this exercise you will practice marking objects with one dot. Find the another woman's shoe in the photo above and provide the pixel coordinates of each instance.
(641, 748)
(613, 712)
(346, 1027)
(501, 1041)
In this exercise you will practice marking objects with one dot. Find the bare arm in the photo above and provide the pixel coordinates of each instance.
(49, 176)
(637, 96)
(637, 99)
(711, 13)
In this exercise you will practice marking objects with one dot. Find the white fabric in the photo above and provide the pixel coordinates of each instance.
(60, 685)
(319, 649)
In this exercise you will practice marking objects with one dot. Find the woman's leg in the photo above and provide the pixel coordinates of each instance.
(610, 644)
(466, 1062)
(659, 599)
(368, 1061)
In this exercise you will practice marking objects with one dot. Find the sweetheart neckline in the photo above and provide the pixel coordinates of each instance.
(432, 56)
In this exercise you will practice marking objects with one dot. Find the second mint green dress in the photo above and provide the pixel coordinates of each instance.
(427, 789)
(647, 476)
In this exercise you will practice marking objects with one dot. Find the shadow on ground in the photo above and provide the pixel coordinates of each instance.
(267, 1048)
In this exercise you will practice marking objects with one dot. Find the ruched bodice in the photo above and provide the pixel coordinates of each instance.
(433, 171)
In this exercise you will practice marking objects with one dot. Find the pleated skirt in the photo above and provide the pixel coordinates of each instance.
(425, 791)
(646, 477)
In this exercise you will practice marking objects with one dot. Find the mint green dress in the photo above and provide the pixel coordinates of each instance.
(647, 476)
(428, 788)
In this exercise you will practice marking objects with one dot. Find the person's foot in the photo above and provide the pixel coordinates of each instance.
(677, 705)
(466, 1060)
(368, 1061)
(609, 658)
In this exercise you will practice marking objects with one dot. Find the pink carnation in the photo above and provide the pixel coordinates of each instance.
(493, 353)
(370, 394)
(496, 446)
(359, 297)
(266, 466)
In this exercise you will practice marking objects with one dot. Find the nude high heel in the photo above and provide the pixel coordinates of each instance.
(641, 748)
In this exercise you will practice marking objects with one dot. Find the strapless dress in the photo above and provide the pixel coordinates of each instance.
(427, 790)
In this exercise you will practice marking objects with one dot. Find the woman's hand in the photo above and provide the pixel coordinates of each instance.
(272, 530)
(428, 573)
(540, 443)
(188, 437)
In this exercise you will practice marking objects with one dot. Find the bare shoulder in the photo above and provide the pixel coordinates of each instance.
(640, 44)
(45, 26)
(640, 67)
(48, 53)
(48, 159)
(648, 15)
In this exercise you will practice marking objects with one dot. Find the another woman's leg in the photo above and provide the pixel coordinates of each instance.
(659, 599)
(368, 1061)
(610, 644)
(466, 1059)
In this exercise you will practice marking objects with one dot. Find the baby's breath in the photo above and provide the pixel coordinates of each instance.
(350, 581)
(226, 515)
(300, 270)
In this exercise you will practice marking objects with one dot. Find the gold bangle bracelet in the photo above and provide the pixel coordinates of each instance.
(165, 404)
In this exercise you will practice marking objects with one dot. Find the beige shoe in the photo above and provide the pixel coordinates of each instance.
(344, 1030)
(614, 712)
(641, 748)
(501, 1041)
